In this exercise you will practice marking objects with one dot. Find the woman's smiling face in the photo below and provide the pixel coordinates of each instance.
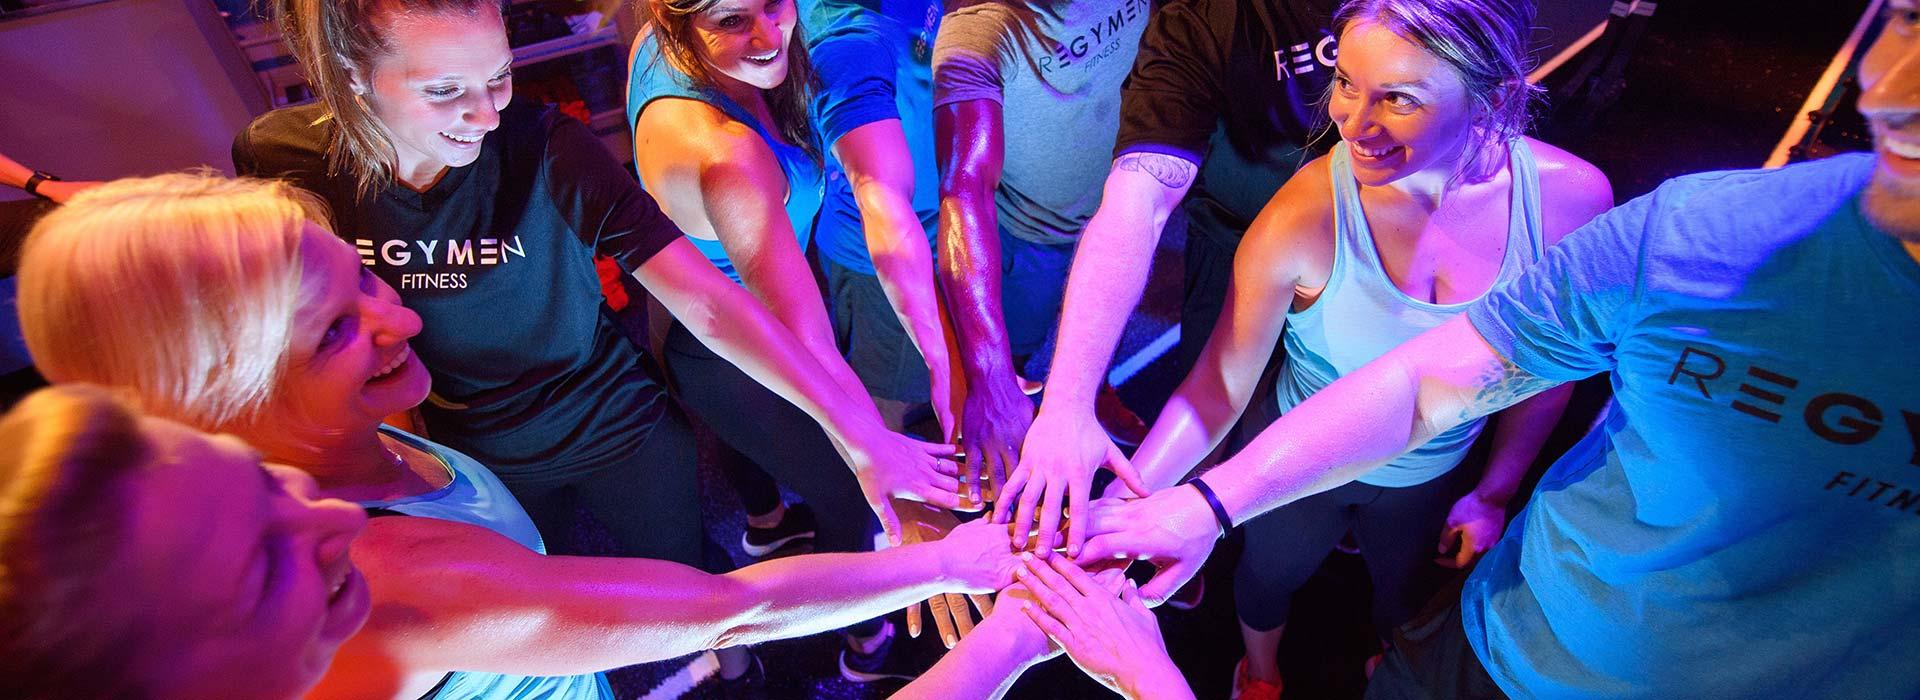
(747, 40)
(1400, 109)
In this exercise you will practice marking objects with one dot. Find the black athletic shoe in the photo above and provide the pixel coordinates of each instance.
(880, 665)
(751, 685)
(796, 526)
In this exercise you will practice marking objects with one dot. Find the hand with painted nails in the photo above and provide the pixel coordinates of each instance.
(924, 523)
(1055, 477)
(1115, 639)
(890, 465)
(1174, 530)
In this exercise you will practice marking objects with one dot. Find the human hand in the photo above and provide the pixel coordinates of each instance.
(889, 465)
(1473, 525)
(922, 523)
(1114, 639)
(994, 420)
(1173, 529)
(1057, 461)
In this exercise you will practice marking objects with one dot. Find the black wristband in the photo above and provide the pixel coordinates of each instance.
(33, 183)
(1219, 511)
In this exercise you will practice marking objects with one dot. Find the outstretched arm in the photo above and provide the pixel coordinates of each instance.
(1440, 379)
(880, 171)
(1066, 443)
(454, 596)
(995, 414)
(1290, 233)
(13, 174)
(712, 176)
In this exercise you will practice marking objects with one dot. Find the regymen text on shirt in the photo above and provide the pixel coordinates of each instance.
(1838, 417)
(1100, 39)
(399, 252)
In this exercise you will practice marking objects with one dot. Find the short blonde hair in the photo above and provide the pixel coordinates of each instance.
(64, 453)
(181, 288)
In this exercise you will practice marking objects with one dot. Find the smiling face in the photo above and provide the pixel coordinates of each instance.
(239, 559)
(349, 365)
(747, 41)
(440, 89)
(1890, 100)
(1400, 109)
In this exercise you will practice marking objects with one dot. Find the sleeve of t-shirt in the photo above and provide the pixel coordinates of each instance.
(856, 67)
(1562, 318)
(969, 53)
(1171, 100)
(286, 144)
(602, 203)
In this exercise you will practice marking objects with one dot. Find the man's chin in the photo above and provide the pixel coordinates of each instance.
(1893, 207)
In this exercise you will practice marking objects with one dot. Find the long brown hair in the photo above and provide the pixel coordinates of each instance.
(790, 102)
(332, 39)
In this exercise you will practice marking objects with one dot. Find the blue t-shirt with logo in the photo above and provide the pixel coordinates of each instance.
(874, 60)
(1743, 523)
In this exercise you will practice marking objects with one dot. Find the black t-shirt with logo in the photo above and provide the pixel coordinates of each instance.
(1235, 86)
(529, 377)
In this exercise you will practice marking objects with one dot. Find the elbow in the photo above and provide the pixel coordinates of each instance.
(740, 609)
(702, 316)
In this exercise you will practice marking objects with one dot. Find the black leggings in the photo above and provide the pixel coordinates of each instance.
(1397, 528)
(776, 436)
(649, 501)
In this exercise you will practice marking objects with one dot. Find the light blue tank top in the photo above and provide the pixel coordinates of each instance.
(653, 78)
(1361, 314)
(476, 497)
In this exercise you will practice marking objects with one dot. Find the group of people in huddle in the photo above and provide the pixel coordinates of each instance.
(324, 430)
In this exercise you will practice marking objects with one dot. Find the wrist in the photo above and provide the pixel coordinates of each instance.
(1156, 680)
(988, 364)
(1214, 509)
(34, 182)
(1492, 497)
(1023, 643)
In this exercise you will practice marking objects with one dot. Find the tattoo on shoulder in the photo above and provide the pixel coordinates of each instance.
(1172, 172)
(1502, 384)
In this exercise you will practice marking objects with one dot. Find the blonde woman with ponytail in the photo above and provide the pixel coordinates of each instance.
(485, 215)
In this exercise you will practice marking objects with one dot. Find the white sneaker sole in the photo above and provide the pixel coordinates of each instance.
(757, 551)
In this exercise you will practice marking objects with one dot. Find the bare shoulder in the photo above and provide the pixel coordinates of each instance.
(691, 132)
(1294, 232)
(1572, 190)
(701, 164)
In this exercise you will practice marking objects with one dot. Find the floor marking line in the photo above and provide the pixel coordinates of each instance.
(1803, 121)
(1568, 53)
(1139, 361)
(684, 680)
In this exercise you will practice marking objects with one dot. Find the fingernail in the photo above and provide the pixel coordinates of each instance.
(1026, 556)
(1020, 573)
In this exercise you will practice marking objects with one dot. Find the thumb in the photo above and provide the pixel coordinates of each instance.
(1167, 580)
(1123, 468)
(1448, 536)
(889, 522)
(1130, 595)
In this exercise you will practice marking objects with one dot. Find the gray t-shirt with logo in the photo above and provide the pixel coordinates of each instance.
(1055, 69)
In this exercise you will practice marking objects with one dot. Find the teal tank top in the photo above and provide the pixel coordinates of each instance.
(476, 497)
(652, 78)
(1361, 314)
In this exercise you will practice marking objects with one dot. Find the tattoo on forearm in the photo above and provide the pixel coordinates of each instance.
(1502, 384)
(1173, 173)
